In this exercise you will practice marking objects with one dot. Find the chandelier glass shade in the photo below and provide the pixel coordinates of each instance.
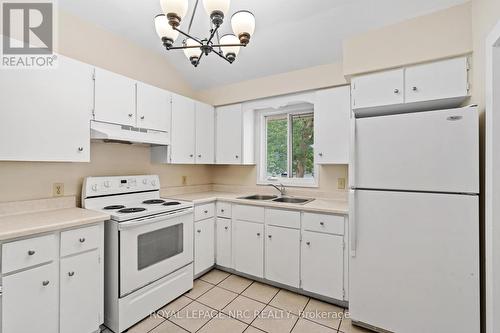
(227, 47)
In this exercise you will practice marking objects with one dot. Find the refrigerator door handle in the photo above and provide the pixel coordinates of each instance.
(352, 151)
(352, 223)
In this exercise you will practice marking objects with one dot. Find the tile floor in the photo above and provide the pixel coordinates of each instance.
(220, 302)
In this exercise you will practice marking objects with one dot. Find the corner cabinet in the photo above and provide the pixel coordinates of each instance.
(235, 135)
(46, 113)
(58, 279)
(332, 111)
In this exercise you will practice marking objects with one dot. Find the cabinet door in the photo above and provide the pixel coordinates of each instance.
(323, 253)
(223, 241)
(153, 108)
(229, 134)
(282, 255)
(437, 80)
(45, 114)
(331, 125)
(183, 134)
(29, 301)
(204, 247)
(248, 247)
(385, 88)
(114, 98)
(205, 133)
(80, 292)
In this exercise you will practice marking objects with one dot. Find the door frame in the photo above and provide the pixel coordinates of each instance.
(492, 181)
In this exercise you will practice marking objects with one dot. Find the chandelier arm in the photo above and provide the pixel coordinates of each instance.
(183, 47)
(187, 35)
(218, 42)
(192, 16)
(198, 61)
(212, 34)
(220, 55)
(228, 45)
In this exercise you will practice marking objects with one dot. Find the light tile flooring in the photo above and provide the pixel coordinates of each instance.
(220, 302)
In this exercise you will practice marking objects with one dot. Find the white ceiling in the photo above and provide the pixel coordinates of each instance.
(290, 34)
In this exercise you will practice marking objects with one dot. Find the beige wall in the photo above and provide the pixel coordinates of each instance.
(438, 35)
(300, 80)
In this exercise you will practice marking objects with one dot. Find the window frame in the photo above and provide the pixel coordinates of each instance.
(262, 178)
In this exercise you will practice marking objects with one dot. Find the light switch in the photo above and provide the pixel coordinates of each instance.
(341, 183)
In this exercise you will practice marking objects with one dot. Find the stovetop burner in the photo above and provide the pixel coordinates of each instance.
(153, 201)
(132, 210)
(114, 207)
(171, 203)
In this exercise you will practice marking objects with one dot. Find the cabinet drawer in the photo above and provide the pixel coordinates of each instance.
(28, 252)
(204, 211)
(79, 240)
(224, 209)
(248, 213)
(332, 224)
(284, 218)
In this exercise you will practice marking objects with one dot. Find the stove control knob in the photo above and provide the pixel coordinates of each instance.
(107, 183)
(153, 182)
(94, 187)
(145, 181)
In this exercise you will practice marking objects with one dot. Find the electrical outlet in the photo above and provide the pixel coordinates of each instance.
(184, 180)
(341, 183)
(58, 189)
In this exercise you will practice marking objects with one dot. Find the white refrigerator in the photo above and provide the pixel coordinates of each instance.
(414, 222)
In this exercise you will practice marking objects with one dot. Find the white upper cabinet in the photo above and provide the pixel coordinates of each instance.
(183, 130)
(384, 88)
(437, 80)
(332, 110)
(114, 98)
(46, 113)
(153, 108)
(205, 134)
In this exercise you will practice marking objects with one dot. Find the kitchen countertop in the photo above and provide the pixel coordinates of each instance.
(35, 222)
(318, 205)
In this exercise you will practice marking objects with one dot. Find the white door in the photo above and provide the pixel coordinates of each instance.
(332, 111)
(204, 245)
(29, 301)
(229, 134)
(223, 242)
(114, 98)
(80, 293)
(205, 133)
(46, 113)
(323, 253)
(425, 151)
(417, 256)
(153, 108)
(378, 89)
(248, 247)
(282, 255)
(437, 80)
(183, 130)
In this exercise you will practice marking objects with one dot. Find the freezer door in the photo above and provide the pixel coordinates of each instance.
(416, 267)
(434, 151)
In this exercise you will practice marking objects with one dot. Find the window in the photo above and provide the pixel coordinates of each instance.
(288, 149)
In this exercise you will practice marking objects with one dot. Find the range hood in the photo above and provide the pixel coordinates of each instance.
(127, 134)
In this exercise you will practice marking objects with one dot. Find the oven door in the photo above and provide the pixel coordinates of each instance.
(153, 247)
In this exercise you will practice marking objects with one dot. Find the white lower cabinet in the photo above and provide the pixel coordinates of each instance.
(78, 297)
(248, 247)
(204, 247)
(223, 242)
(29, 300)
(282, 255)
(322, 264)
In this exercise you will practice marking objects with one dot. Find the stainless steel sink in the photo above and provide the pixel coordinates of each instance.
(294, 200)
(259, 197)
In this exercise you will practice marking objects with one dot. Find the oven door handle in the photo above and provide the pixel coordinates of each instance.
(153, 219)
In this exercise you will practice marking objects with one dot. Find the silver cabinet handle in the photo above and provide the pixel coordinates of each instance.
(322, 224)
(396, 91)
(191, 155)
(31, 252)
(320, 154)
(308, 243)
(222, 210)
(71, 273)
(45, 283)
(270, 236)
(205, 211)
(199, 156)
(414, 88)
(226, 228)
(80, 149)
(198, 231)
(142, 117)
(258, 234)
(237, 156)
(82, 240)
(130, 115)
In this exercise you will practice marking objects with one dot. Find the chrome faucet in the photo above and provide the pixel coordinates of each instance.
(281, 189)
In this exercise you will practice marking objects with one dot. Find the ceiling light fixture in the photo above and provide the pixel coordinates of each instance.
(226, 47)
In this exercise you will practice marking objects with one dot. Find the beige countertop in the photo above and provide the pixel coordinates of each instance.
(35, 222)
(319, 205)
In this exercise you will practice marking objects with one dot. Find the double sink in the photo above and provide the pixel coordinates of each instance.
(275, 198)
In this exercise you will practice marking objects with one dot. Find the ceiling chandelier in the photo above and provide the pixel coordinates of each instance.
(227, 47)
